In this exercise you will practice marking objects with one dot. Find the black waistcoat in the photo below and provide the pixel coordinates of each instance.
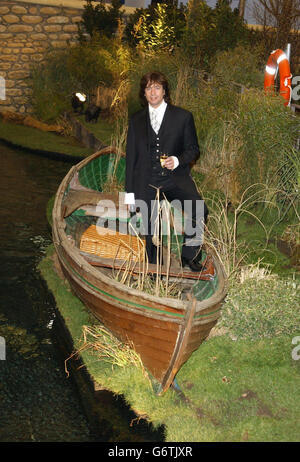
(160, 177)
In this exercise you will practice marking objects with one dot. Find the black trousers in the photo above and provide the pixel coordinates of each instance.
(195, 216)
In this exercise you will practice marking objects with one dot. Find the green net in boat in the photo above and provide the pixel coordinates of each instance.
(203, 290)
(94, 174)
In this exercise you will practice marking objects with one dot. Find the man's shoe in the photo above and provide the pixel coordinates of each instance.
(194, 265)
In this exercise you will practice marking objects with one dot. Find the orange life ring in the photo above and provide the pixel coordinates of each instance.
(279, 58)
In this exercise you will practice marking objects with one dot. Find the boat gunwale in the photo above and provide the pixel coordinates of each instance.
(60, 238)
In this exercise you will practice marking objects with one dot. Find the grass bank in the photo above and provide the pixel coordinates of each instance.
(30, 138)
(238, 386)
(103, 129)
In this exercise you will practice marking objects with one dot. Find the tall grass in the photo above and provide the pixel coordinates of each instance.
(159, 284)
(222, 228)
(248, 144)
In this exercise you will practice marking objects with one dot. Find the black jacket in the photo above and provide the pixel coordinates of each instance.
(178, 138)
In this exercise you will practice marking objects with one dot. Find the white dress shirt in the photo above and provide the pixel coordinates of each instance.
(159, 111)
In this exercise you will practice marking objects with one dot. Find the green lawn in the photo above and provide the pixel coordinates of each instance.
(103, 129)
(32, 138)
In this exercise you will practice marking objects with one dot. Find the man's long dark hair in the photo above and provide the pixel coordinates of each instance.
(154, 77)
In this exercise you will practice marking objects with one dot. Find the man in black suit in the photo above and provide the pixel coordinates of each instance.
(160, 128)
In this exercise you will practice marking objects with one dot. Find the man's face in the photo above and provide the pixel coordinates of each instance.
(154, 93)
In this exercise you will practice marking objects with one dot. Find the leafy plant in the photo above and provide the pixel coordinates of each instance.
(262, 306)
(209, 30)
(158, 23)
(155, 33)
(100, 20)
(83, 67)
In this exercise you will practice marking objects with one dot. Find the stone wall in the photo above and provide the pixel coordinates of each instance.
(27, 30)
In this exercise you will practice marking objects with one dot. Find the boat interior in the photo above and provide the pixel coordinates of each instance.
(98, 224)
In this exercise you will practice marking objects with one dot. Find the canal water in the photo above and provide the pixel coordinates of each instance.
(38, 402)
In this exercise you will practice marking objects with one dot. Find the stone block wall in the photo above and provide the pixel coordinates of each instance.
(27, 30)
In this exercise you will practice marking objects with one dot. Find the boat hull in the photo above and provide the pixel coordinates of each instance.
(163, 331)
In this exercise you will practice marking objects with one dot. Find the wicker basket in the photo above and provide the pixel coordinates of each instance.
(108, 243)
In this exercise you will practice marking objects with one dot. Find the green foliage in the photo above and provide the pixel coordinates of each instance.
(269, 132)
(209, 30)
(155, 29)
(246, 142)
(262, 306)
(76, 68)
(81, 67)
(157, 26)
(100, 20)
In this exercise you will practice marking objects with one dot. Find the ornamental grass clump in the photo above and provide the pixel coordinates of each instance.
(261, 305)
(240, 65)
(222, 230)
(248, 143)
(104, 346)
(160, 285)
(269, 132)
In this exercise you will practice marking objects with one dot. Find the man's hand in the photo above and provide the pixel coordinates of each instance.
(169, 163)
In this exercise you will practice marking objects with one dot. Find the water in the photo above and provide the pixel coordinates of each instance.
(37, 400)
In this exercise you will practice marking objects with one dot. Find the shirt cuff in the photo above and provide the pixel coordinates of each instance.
(176, 162)
(129, 199)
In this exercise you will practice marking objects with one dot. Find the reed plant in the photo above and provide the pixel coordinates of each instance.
(118, 145)
(107, 347)
(134, 272)
(288, 175)
(222, 230)
(241, 65)
(247, 144)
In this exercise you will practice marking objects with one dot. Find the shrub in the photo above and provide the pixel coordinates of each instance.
(209, 30)
(262, 306)
(81, 67)
(100, 21)
(159, 23)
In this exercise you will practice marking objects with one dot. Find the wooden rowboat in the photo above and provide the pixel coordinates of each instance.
(163, 330)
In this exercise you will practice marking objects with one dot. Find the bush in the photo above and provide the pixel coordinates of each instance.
(209, 30)
(100, 21)
(262, 306)
(155, 25)
(82, 67)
